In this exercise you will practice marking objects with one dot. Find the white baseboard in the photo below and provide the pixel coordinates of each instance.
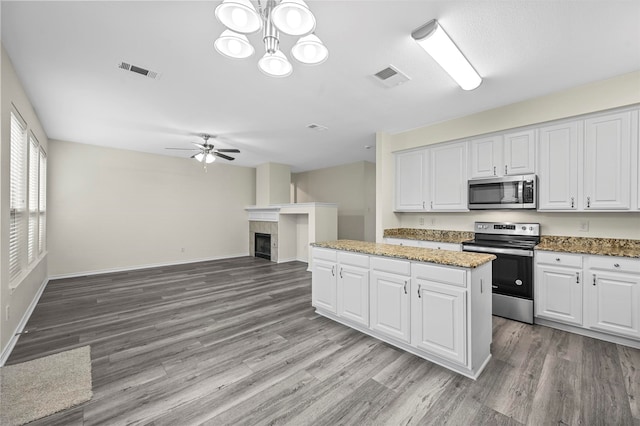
(4, 356)
(148, 266)
(589, 333)
(292, 259)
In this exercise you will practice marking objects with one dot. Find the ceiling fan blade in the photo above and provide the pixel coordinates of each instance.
(226, 157)
(193, 156)
(237, 151)
(199, 145)
(183, 149)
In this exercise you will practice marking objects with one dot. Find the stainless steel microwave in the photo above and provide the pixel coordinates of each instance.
(508, 192)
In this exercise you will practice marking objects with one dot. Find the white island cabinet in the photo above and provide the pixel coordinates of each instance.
(441, 313)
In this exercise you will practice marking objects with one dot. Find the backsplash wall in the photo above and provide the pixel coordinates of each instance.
(604, 225)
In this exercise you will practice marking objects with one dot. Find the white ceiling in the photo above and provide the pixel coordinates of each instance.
(66, 54)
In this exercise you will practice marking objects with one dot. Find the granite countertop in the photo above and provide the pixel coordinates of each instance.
(598, 246)
(440, 236)
(442, 257)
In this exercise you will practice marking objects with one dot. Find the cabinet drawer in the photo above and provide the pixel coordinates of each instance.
(324, 254)
(353, 259)
(448, 275)
(402, 242)
(383, 264)
(612, 263)
(440, 246)
(559, 259)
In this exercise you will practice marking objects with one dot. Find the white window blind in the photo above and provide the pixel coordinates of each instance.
(32, 234)
(17, 195)
(42, 204)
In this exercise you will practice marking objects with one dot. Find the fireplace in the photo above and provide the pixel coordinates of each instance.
(263, 245)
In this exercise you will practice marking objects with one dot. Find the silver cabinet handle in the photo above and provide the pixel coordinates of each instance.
(572, 200)
(494, 170)
(419, 297)
(616, 265)
(577, 277)
(340, 272)
(481, 286)
(333, 271)
(423, 205)
(588, 202)
(405, 287)
(432, 205)
(505, 169)
(594, 279)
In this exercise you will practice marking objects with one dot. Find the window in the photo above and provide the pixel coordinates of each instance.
(17, 193)
(42, 204)
(33, 231)
(27, 198)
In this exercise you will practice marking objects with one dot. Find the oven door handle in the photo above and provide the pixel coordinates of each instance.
(515, 252)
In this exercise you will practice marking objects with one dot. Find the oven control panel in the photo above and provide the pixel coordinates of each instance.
(532, 229)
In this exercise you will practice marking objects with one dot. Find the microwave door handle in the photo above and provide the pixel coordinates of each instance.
(521, 191)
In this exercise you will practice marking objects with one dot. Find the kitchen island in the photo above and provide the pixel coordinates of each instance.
(435, 304)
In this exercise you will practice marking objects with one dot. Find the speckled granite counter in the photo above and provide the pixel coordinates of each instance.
(598, 246)
(428, 235)
(442, 257)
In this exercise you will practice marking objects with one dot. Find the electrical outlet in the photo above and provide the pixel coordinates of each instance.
(584, 226)
(421, 221)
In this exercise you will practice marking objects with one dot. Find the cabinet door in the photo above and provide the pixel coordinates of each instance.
(390, 313)
(323, 285)
(439, 320)
(520, 153)
(607, 168)
(558, 167)
(485, 157)
(410, 184)
(448, 177)
(613, 303)
(353, 294)
(558, 294)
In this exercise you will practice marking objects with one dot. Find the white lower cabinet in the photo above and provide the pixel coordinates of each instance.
(595, 293)
(390, 298)
(439, 318)
(353, 288)
(613, 295)
(440, 313)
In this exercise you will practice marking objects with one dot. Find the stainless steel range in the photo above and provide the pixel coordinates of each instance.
(513, 245)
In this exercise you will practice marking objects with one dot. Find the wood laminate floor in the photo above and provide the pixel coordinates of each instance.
(236, 342)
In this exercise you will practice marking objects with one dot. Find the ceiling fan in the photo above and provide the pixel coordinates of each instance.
(207, 152)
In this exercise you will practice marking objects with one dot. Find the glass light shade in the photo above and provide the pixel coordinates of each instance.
(239, 16)
(210, 158)
(432, 38)
(233, 45)
(310, 50)
(199, 156)
(293, 17)
(275, 65)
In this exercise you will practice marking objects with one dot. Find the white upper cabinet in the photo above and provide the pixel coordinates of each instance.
(503, 155)
(607, 167)
(485, 157)
(558, 167)
(448, 177)
(520, 153)
(410, 185)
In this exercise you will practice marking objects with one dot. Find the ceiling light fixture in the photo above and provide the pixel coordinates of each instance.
(432, 38)
(291, 17)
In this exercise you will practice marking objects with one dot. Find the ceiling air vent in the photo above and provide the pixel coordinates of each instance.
(139, 70)
(317, 127)
(391, 76)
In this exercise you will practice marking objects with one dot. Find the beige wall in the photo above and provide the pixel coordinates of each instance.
(115, 209)
(616, 92)
(19, 298)
(273, 183)
(352, 187)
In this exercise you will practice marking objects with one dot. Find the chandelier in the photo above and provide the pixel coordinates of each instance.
(291, 17)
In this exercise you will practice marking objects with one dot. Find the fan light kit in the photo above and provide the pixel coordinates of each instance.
(291, 17)
(208, 153)
(432, 38)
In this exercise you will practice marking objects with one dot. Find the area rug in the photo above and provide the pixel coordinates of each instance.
(38, 388)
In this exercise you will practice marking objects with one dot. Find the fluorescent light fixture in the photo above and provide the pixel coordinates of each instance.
(233, 45)
(310, 50)
(432, 37)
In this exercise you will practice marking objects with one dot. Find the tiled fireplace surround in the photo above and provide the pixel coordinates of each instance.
(261, 227)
